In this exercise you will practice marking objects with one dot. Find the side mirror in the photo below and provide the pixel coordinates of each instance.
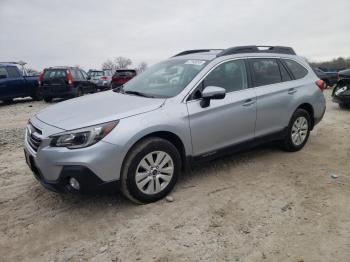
(212, 92)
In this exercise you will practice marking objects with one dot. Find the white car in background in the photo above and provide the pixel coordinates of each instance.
(101, 78)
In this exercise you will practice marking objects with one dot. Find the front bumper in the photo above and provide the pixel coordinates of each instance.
(94, 167)
(88, 181)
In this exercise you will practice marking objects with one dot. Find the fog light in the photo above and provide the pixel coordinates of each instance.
(74, 183)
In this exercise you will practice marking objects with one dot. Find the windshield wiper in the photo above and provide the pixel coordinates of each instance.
(137, 93)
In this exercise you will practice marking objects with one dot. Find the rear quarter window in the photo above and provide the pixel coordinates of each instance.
(296, 69)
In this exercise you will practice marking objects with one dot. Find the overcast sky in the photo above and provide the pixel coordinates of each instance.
(86, 33)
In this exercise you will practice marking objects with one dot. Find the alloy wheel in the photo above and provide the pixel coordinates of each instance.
(154, 172)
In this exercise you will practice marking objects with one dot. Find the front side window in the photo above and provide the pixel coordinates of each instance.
(166, 79)
(297, 70)
(13, 71)
(265, 71)
(230, 75)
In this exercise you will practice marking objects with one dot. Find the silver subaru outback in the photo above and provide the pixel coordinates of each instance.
(196, 105)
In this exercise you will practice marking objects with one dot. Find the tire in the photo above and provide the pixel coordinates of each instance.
(343, 106)
(79, 92)
(7, 101)
(38, 95)
(145, 189)
(47, 99)
(326, 83)
(298, 131)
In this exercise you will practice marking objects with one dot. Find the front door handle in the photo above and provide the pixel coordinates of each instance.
(248, 102)
(292, 91)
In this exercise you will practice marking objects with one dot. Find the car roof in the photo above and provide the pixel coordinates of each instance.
(211, 56)
(62, 67)
(237, 51)
(8, 64)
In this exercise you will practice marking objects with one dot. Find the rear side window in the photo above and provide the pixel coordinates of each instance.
(265, 71)
(3, 73)
(13, 71)
(297, 69)
(54, 73)
(284, 73)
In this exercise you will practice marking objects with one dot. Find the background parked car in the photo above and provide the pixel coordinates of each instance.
(121, 76)
(341, 93)
(101, 78)
(65, 82)
(329, 77)
(15, 83)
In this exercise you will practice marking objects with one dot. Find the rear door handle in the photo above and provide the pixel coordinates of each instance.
(248, 102)
(292, 91)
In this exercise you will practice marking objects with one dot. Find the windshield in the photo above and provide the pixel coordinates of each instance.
(166, 79)
(125, 73)
(96, 73)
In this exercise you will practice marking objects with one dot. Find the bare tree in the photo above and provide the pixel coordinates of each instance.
(119, 62)
(142, 67)
(109, 64)
(32, 72)
(122, 62)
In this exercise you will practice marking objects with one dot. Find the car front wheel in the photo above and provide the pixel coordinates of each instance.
(150, 170)
(298, 131)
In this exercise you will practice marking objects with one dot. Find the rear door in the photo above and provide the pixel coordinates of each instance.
(55, 80)
(274, 91)
(227, 121)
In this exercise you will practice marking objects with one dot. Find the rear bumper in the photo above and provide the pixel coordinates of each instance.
(71, 92)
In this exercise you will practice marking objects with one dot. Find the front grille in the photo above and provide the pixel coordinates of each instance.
(33, 136)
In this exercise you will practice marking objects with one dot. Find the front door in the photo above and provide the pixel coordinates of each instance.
(228, 121)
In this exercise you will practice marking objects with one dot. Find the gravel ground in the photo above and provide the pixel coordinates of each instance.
(261, 205)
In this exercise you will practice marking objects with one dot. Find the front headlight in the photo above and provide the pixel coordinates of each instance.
(83, 137)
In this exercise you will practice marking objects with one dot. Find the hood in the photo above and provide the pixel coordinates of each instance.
(95, 109)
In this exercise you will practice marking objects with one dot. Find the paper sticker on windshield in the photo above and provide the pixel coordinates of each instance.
(195, 62)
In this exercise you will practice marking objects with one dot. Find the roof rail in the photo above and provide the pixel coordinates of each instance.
(257, 49)
(187, 52)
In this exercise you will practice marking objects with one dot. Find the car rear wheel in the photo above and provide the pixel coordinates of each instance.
(344, 106)
(47, 99)
(298, 131)
(38, 95)
(79, 92)
(150, 170)
(7, 101)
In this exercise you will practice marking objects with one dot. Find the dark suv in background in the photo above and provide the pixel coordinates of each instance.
(121, 76)
(64, 82)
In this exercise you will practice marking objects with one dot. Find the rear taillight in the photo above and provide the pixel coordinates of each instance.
(69, 78)
(321, 85)
(103, 78)
(40, 79)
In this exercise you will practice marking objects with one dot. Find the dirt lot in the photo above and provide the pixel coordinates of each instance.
(262, 205)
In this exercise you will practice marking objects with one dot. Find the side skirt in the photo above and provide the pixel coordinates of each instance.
(244, 146)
